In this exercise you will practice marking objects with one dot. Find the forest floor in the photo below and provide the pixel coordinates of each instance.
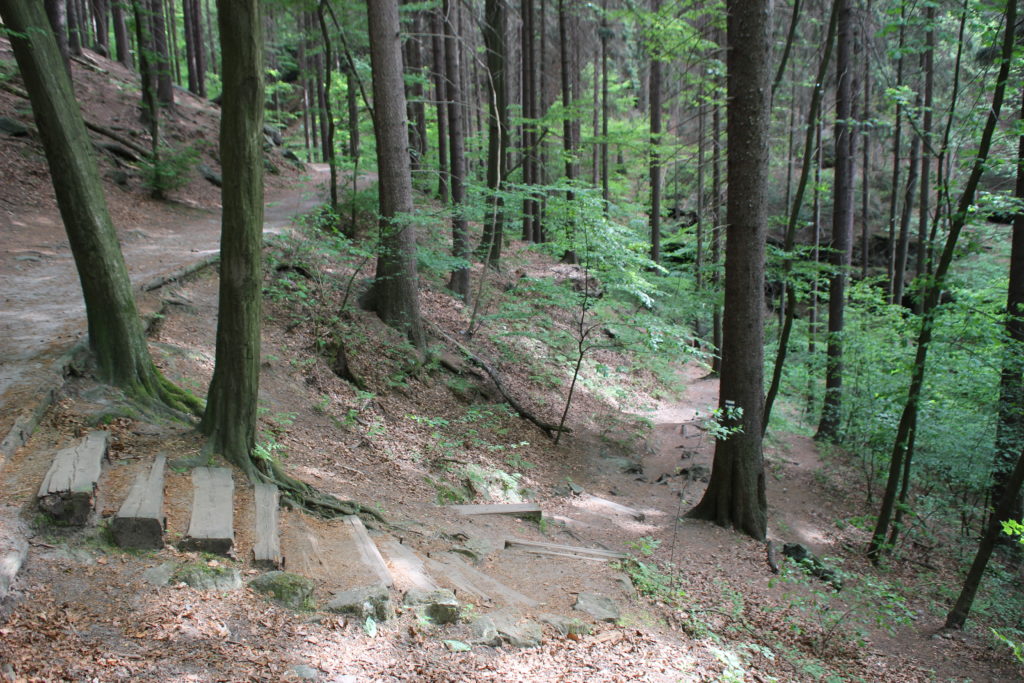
(708, 606)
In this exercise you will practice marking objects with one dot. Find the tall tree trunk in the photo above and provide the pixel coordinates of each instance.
(497, 130)
(903, 240)
(842, 228)
(231, 409)
(897, 142)
(188, 23)
(1010, 426)
(459, 280)
(655, 157)
(122, 42)
(923, 215)
(161, 61)
(529, 98)
(736, 493)
(116, 336)
(605, 105)
(865, 171)
(568, 129)
(57, 15)
(75, 28)
(394, 294)
(417, 111)
(907, 428)
(329, 149)
(100, 15)
(813, 120)
(441, 98)
(172, 31)
(716, 230)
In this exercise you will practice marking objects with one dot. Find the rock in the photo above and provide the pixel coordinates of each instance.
(212, 176)
(287, 589)
(485, 631)
(440, 606)
(119, 177)
(476, 549)
(457, 646)
(566, 625)
(15, 129)
(515, 632)
(160, 575)
(291, 156)
(273, 134)
(695, 473)
(304, 672)
(202, 577)
(13, 547)
(345, 678)
(270, 168)
(368, 601)
(598, 606)
(575, 489)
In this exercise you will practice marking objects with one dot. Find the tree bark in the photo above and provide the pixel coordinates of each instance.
(655, 158)
(231, 410)
(57, 14)
(459, 280)
(394, 294)
(497, 128)
(329, 149)
(736, 493)
(161, 57)
(842, 228)
(122, 43)
(441, 98)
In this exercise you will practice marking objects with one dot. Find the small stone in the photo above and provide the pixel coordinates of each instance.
(160, 575)
(440, 606)
(457, 646)
(207, 578)
(15, 129)
(368, 601)
(566, 625)
(306, 673)
(598, 606)
(515, 632)
(485, 631)
(289, 590)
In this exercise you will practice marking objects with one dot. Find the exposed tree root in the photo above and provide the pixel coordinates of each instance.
(308, 498)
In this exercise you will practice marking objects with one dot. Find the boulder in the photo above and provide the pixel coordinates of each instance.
(367, 601)
(598, 606)
(287, 589)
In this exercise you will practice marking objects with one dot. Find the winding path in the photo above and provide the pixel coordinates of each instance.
(42, 315)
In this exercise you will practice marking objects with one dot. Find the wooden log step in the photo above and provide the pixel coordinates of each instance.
(211, 526)
(140, 522)
(522, 510)
(266, 551)
(577, 552)
(465, 579)
(613, 507)
(405, 565)
(368, 552)
(68, 492)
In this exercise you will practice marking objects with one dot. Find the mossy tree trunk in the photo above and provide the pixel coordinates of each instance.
(116, 335)
(230, 419)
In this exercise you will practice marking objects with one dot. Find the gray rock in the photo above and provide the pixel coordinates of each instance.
(345, 678)
(476, 549)
(368, 601)
(695, 473)
(517, 633)
(598, 606)
(485, 631)
(306, 672)
(206, 578)
(440, 606)
(160, 575)
(273, 134)
(290, 590)
(566, 625)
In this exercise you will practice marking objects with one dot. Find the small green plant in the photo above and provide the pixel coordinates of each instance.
(168, 170)
(645, 545)
(651, 581)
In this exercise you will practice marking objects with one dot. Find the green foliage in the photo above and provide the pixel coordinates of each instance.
(169, 170)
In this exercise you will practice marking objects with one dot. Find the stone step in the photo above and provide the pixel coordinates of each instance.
(328, 552)
(140, 522)
(266, 550)
(453, 570)
(405, 565)
(610, 506)
(522, 510)
(577, 552)
(68, 492)
(211, 526)
(368, 551)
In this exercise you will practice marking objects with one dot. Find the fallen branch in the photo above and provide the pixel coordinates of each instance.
(546, 427)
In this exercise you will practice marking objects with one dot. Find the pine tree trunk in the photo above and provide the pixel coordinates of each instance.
(329, 150)
(903, 240)
(655, 159)
(529, 98)
(231, 409)
(441, 98)
(394, 295)
(122, 43)
(497, 128)
(161, 57)
(736, 493)
(100, 15)
(56, 12)
(842, 229)
(459, 280)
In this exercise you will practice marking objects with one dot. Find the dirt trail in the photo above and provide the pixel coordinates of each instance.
(43, 314)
